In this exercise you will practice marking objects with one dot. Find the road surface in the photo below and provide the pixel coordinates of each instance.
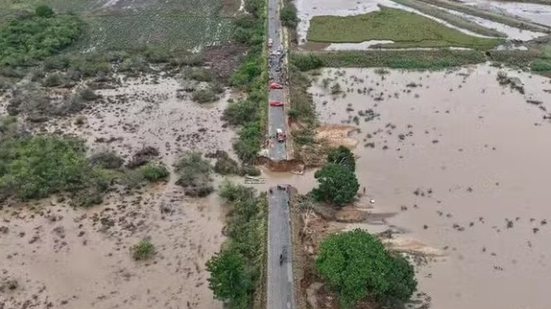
(276, 115)
(280, 251)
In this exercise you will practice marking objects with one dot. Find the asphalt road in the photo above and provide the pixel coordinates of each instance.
(276, 115)
(280, 267)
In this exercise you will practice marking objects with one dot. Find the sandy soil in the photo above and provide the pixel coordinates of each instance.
(463, 162)
(80, 258)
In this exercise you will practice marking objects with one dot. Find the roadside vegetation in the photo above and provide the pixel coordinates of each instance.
(389, 24)
(357, 267)
(252, 77)
(35, 36)
(237, 272)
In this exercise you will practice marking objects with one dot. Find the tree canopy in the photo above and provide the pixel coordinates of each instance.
(342, 156)
(357, 266)
(337, 184)
(229, 280)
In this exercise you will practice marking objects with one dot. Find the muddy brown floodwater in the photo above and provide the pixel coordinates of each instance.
(464, 164)
(80, 258)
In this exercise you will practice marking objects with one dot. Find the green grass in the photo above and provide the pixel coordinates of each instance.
(404, 28)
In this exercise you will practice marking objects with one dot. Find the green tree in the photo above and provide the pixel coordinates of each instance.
(357, 266)
(337, 184)
(229, 279)
(342, 156)
(288, 16)
(44, 11)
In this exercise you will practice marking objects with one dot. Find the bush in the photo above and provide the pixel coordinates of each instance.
(337, 184)
(342, 156)
(25, 40)
(289, 15)
(52, 80)
(35, 167)
(226, 166)
(307, 62)
(107, 160)
(144, 250)
(249, 142)
(154, 172)
(229, 279)
(204, 96)
(241, 112)
(541, 65)
(200, 74)
(87, 94)
(357, 266)
(194, 175)
(44, 11)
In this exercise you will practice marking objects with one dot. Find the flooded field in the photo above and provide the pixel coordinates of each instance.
(538, 13)
(60, 257)
(463, 162)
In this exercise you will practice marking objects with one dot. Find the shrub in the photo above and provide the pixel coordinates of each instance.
(229, 279)
(357, 266)
(194, 174)
(35, 167)
(541, 65)
(307, 62)
(144, 250)
(35, 38)
(200, 74)
(108, 160)
(204, 96)
(288, 15)
(154, 172)
(241, 112)
(342, 156)
(44, 11)
(52, 80)
(87, 94)
(226, 166)
(337, 184)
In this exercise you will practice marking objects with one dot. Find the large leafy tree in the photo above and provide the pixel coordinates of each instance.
(337, 184)
(342, 156)
(357, 266)
(229, 279)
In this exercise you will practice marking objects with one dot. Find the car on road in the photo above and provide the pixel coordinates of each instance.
(276, 86)
(276, 104)
(280, 136)
(270, 43)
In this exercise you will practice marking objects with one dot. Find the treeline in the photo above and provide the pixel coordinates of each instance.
(237, 272)
(35, 36)
(252, 77)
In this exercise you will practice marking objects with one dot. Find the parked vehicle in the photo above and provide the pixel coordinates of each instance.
(280, 136)
(270, 43)
(276, 104)
(276, 86)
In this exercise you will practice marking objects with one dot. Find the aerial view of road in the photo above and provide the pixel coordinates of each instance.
(276, 113)
(280, 268)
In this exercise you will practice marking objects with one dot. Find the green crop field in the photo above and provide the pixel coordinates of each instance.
(404, 28)
(133, 24)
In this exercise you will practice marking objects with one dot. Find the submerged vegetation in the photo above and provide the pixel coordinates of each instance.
(389, 24)
(237, 272)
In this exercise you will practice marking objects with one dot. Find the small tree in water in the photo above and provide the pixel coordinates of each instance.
(358, 267)
(337, 184)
